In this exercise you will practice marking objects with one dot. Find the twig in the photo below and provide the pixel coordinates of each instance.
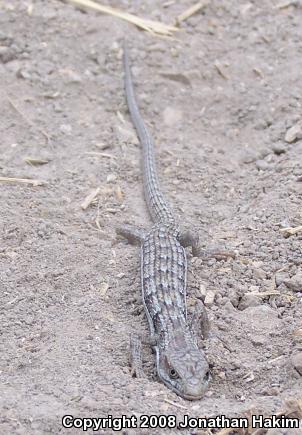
(177, 405)
(23, 180)
(190, 11)
(97, 154)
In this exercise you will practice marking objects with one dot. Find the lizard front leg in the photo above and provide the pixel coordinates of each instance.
(200, 324)
(136, 360)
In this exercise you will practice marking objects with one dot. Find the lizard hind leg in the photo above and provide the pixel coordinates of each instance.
(188, 238)
(134, 235)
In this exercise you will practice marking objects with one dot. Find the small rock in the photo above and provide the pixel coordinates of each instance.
(209, 299)
(202, 291)
(23, 74)
(270, 391)
(295, 282)
(297, 362)
(111, 178)
(258, 340)
(126, 135)
(229, 307)
(172, 116)
(249, 300)
(66, 129)
(7, 53)
(279, 148)
(70, 76)
(281, 277)
(249, 156)
(177, 77)
(233, 297)
(259, 273)
(262, 165)
(294, 133)
(89, 403)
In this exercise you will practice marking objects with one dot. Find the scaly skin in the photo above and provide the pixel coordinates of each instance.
(181, 365)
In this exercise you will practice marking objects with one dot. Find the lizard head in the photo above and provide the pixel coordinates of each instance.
(184, 369)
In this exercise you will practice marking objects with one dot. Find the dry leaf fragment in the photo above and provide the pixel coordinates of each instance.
(90, 198)
(35, 162)
(119, 194)
(259, 72)
(220, 69)
(103, 288)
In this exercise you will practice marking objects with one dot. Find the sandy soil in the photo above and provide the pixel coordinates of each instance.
(224, 104)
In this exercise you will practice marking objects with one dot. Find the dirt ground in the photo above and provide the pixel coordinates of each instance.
(223, 101)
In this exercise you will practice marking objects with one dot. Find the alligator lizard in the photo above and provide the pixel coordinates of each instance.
(180, 364)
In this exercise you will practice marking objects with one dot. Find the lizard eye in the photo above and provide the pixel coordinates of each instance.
(173, 374)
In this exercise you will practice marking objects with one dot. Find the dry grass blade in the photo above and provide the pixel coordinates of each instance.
(27, 120)
(154, 27)
(22, 181)
(190, 11)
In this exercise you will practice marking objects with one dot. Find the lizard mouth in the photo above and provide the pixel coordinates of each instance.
(191, 393)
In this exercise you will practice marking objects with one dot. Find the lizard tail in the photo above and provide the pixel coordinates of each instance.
(157, 205)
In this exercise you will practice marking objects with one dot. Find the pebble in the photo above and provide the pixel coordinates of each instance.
(262, 165)
(111, 178)
(279, 148)
(66, 128)
(177, 77)
(209, 299)
(295, 282)
(172, 116)
(281, 277)
(270, 391)
(126, 135)
(233, 297)
(7, 53)
(294, 133)
(297, 362)
(259, 273)
(202, 291)
(249, 300)
(70, 76)
(258, 340)
(249, 156)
